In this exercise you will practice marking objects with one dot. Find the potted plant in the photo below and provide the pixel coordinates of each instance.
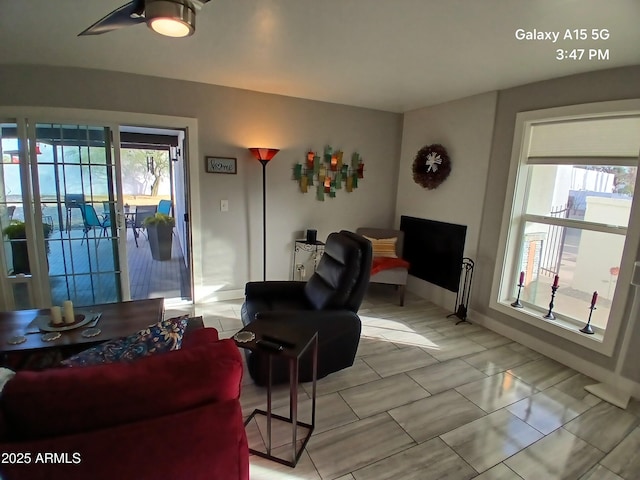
(17, 231)
(160, 231)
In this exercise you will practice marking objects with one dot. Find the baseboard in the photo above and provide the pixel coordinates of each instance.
(440, 296)
(577, 363)
(219, 296)
(228, 295)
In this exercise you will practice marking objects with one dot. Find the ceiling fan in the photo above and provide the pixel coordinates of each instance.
(174, 18)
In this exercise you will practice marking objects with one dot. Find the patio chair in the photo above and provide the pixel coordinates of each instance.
(72, 200)
(142, 212)
(10, 210)
(106, 209)
(91, 220)
(164, 207)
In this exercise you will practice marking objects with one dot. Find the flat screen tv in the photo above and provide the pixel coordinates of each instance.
(434, 250)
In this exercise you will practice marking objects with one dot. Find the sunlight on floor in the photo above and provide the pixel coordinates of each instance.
(258, 472)
(397, 332)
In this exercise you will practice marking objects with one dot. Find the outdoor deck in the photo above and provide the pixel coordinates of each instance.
(148, 278)
(152, 278)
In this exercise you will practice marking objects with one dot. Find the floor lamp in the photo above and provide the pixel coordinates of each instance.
(264, 155)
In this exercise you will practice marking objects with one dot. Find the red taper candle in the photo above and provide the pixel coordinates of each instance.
(594, 299)
(521, 278)
(556, 280)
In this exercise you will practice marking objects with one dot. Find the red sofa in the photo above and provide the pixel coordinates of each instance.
(172, 416)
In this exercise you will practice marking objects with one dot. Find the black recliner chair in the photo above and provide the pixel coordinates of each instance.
(327, 303)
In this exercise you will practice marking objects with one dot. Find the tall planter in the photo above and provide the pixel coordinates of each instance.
(16, 232)
(160, 237)
(20, 257)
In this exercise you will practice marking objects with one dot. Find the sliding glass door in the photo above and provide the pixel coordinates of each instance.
(75, 185)
(59, 185)
(17, 289)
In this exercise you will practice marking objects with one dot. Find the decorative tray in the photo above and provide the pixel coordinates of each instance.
(42, 323)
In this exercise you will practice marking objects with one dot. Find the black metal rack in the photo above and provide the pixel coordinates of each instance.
(464, 290)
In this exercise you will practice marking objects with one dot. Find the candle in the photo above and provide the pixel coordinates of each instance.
(56, 316)
(555, 281)
(594, 299)
(69, 316)
(521, 278)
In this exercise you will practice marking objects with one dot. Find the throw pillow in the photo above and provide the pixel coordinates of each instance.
(164, 336)
(383, 247)
(5, 376)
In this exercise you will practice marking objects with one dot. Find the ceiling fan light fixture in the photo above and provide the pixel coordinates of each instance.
(171, 18)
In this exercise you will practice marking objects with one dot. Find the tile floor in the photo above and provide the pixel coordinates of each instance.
(428, 399)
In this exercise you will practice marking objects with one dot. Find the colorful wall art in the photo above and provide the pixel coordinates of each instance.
(328, 173)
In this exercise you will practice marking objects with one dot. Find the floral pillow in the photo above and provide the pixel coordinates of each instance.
(164, 336)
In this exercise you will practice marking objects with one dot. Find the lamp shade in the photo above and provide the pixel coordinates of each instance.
(264, 154)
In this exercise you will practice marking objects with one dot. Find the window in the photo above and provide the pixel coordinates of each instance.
(572, 191)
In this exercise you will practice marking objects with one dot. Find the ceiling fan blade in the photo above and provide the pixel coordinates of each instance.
(125, 16)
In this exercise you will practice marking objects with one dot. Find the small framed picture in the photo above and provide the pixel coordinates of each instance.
(221, 165)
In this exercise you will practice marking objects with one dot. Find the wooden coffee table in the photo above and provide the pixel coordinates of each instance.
(117, 319)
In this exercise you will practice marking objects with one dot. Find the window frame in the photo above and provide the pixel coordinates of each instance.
(514, 219)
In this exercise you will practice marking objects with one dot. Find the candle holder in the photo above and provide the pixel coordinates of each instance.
(550, 315)
(587, 328)
(517, 303)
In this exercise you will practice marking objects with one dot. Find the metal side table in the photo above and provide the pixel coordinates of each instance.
(316, 249)
(294, 345)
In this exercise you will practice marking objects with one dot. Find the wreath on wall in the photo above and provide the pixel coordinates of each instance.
(431, 166)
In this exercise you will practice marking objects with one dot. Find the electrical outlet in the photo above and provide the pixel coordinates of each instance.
(224, 205)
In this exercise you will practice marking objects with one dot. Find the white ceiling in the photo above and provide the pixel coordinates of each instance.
(393, 55)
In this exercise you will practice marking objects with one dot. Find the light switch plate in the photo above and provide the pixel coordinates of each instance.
(224, 205)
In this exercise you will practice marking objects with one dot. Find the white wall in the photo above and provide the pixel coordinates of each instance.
(600, 86)
(464, 127)
(229, 121)
(478, 134)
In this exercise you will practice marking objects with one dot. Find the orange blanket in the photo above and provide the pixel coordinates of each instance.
(385, 263)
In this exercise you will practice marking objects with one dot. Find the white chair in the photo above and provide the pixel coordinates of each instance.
(392, 276)
(142, 212)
